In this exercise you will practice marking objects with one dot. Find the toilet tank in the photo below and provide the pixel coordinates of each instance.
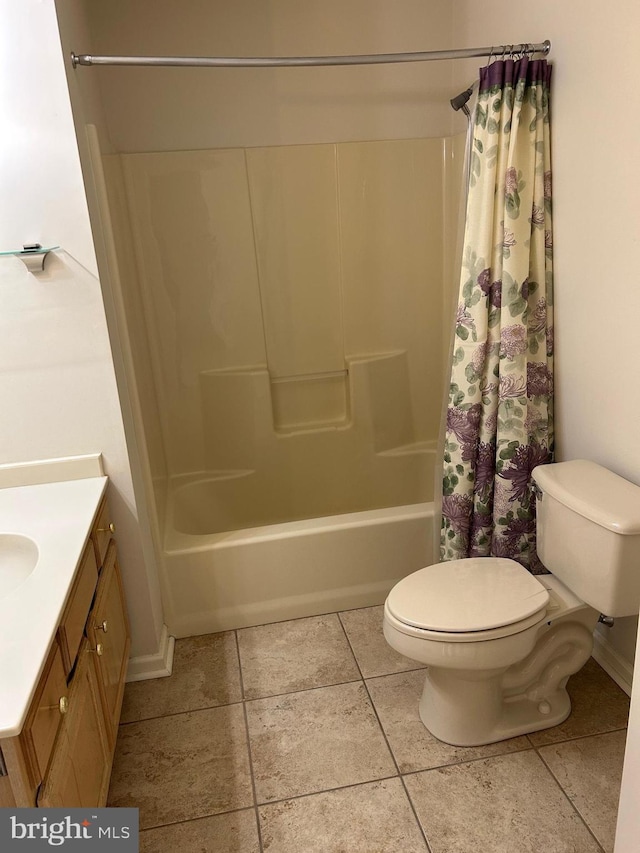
(588, 533)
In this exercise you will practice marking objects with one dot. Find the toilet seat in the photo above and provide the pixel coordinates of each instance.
(463, 636)
(477, 598)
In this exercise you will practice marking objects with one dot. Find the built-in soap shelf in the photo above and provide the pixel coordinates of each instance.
(32, 255)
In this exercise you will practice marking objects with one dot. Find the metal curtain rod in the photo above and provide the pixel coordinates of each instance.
(266, 62)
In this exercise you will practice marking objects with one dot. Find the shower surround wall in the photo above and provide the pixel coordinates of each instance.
(293, 297)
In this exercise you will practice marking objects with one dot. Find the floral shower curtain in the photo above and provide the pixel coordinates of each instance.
(500, 409)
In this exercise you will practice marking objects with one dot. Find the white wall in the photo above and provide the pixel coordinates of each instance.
(40, 180)
(164, 109)
(596, 128)
(57, 382)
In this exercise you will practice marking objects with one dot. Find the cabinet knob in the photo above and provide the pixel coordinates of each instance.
(101, 627)
(62, 706)
(110, 529)
(99, 650)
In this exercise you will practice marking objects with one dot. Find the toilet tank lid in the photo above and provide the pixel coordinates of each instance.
(593, 492)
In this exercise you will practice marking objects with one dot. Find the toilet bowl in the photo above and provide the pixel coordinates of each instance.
(479, 624)
(501, 643)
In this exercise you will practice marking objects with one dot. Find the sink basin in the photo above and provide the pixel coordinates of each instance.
(18, 558)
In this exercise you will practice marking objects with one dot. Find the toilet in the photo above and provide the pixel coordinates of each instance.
(501, 643)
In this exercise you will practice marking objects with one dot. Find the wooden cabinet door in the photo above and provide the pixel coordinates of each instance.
(108, 631)
(45, 715)
(102, 532)
(81, 764)
(71, 628)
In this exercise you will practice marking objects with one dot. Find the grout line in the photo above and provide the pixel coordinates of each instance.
(386, 740)
(299, 618)
(196, 819)
(239, 659)
(582, 819)
(375, 710)
(467, 761)
(415, 814)
(253, 781)
(327, 791)
(539, 746)
(303, 690)
(295, 619)
(421, 668)
(181, 713)
(246, 726)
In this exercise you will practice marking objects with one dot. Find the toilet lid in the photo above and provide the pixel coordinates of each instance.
(474, 594)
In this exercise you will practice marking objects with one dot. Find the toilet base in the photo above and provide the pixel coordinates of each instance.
(486, 715)
(466, 707)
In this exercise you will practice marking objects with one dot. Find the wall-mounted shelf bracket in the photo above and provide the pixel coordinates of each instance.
(32, 255)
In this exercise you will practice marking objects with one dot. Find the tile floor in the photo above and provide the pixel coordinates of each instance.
(304, 737)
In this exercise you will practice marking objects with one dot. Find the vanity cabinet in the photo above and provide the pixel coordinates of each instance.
(63, 755)
(108, 631)
(81, 762)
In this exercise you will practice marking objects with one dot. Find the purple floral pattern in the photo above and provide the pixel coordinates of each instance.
(513, 341)
(500, 411)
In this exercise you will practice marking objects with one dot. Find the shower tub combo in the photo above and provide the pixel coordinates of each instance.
(216, 581)
(295, 535)
(293, 366)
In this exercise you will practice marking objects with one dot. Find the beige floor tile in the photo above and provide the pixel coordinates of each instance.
(226, 833)
(295, 655)
(505, 804)
(315, 740)
(598, 705)
(206, 673)
(182, 767)
(374, 655)
(590, 772)
(396, 699)
(374, 817)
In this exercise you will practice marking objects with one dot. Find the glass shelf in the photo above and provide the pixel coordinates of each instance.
(32, 256)
(40, 250)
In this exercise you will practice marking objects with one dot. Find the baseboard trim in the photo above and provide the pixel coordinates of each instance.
(620, 669)
(157, 665)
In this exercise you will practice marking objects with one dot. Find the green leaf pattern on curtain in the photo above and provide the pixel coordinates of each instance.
(500, 408)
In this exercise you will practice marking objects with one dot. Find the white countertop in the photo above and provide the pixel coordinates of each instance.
(58, 517)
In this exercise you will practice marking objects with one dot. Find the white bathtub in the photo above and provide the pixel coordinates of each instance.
(219, 581)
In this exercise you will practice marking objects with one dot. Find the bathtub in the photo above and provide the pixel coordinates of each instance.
(218, 581)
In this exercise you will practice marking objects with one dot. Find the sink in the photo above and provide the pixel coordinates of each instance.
(18, 558)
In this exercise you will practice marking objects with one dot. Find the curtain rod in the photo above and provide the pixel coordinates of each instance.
(498, 51)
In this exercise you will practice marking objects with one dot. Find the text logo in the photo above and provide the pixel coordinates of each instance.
(27, 830)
